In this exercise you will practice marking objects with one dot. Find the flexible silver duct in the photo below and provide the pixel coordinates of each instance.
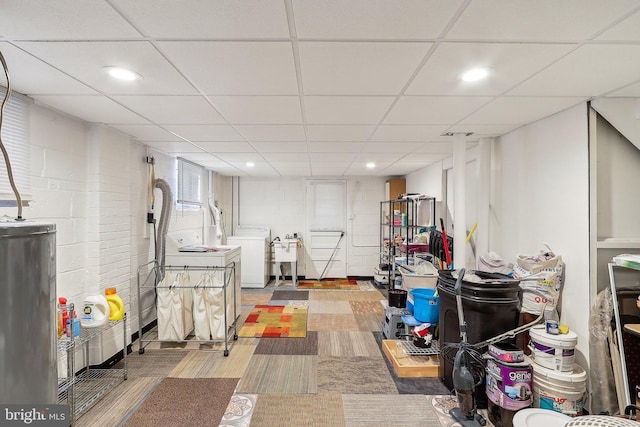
(165, 216)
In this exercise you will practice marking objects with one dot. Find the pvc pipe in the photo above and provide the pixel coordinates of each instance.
(459, 197)
(484, 196)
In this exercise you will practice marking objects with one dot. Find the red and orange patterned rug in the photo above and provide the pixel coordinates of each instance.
(276, 321)
(335, 284)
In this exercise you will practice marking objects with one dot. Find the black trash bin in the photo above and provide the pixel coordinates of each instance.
(490, 309)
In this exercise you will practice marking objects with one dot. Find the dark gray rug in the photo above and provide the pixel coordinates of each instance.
(290, 295)
(307, 346)
(185, 402)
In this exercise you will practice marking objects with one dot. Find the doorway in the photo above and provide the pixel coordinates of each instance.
(325, 223)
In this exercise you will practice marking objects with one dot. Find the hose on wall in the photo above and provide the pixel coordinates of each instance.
(163, 223)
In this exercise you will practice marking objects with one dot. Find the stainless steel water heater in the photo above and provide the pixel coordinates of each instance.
(28, 335)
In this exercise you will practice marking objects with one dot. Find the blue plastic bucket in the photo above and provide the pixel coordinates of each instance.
(426, 306)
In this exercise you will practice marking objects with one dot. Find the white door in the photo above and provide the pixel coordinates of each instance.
(325, 239)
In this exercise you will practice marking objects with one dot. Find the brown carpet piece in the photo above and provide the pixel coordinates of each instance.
(369, 322)
(307, 346)
(348, 344)
(299, 410)
(290, 295)
(185, 402)
(366, 307)
(368, 410)
(255, 298)
(354, 375)
(332, 322)
(280, 374)
(153, 363)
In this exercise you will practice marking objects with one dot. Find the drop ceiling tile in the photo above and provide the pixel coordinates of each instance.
(241, 157)
(346, 109)
(207, 18)
(329, 168)
(598, 76)
(85, 61)
(391, 147)
(147, 132)
(335, 147)
(280, 147)
(172, 109)
(63, 20)
(540, 20)
(206, 132)
(95, 109)
(361, 169)
(520, 110)
(272, 132)
(259, 109)
(31, 76)
(358, 68)
(236, 68)
(339, 132)
(216, 147)
(630, 90)
(433, 109)
(288, 169)
(328, 157)
(285, 157)
(425, 157)
(482, 130)
(173, 147)
(368, 156)
(228, 170)
(258, 169)
(372, 19)
(441, 147)
(201, 158)
(441, 74)
(403, 168)
(627, 30)
(407, 132)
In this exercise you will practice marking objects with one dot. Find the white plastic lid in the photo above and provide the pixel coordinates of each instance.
(539, 334)
(535, 417)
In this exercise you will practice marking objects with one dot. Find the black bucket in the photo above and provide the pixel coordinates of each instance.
(397, 298)
(490, 309)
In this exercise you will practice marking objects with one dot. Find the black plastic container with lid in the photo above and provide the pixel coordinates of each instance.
(491, 306)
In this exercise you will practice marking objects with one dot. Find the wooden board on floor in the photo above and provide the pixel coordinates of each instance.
(406, 366)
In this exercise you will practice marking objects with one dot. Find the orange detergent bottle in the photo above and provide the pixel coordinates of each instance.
(116, 306)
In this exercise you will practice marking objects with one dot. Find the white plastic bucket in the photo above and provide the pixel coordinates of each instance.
(554, 352)
(559, 391)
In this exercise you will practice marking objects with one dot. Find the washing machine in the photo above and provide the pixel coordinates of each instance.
(255, 241)
(185, 248)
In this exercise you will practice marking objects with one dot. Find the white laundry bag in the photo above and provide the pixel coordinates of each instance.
(215, 305)
(200, 320)
(187, 304)
(169, 308)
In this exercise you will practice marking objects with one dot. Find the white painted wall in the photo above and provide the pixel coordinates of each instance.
(280, 204)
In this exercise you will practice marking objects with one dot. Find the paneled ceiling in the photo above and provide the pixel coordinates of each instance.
(318, 87)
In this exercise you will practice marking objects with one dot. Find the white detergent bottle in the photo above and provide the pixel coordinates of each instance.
(95, 311)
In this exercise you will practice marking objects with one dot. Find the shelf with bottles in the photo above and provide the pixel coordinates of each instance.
(82, 388)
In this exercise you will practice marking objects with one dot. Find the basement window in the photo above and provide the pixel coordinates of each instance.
(189, 185)
(15, 137)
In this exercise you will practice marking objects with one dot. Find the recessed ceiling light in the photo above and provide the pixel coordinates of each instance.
(475, 74)
(123, 74)
(371, 165)
(250, 164)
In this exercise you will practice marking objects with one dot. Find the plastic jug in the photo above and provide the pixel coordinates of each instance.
(95, 311)
(116, 306)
